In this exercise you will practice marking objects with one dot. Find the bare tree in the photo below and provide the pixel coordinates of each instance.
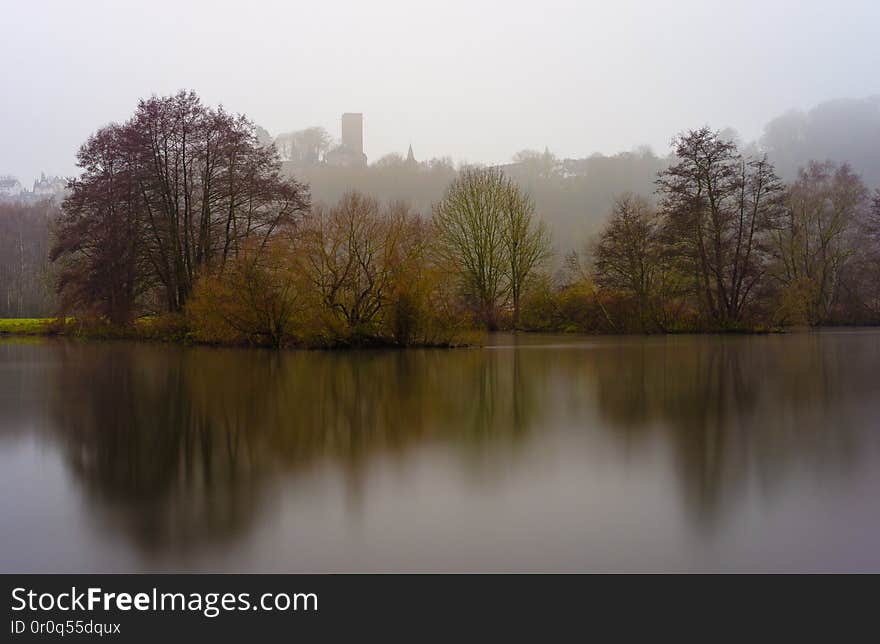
(24, 259)
(629, 253)
(304, 147)
(544, 164)
(469, 223)
(350, 255)
(99, 247)
(719, 209)
(174, 192)
(526, 243)
(207, 186)
(871, 275)
(815, 237)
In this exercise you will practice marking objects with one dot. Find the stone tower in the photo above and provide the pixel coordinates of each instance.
(353, 132)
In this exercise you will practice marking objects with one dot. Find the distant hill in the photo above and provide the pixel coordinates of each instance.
(840, 130)
(572, 195)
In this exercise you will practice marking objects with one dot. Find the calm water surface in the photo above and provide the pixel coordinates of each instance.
(534, 454)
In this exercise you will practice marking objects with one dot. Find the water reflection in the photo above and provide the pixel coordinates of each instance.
(179, 449)
(178, 442)
(734, 408)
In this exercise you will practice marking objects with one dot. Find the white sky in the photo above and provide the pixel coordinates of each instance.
(474, 80)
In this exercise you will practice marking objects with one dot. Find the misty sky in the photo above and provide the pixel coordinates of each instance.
(473, 80)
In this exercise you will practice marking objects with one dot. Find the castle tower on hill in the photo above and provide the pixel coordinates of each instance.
(351, 151)
(353, 132)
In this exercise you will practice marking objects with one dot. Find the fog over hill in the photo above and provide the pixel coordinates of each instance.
(573, 195)
(477, 80)
(577, 102)
(595, 84)
(843, 130)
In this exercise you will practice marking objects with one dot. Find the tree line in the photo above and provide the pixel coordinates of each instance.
(183, 214)
(361, 272)
(730, 246)
(572, 195)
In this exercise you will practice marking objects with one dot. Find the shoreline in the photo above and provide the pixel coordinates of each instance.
(51, 327)
(145, 330)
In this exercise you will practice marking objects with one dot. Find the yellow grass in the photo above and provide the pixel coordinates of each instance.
(26, 326)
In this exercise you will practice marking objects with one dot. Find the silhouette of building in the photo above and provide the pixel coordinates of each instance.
(45, 188)
(49, 186)
(351, 151)
(353, 131)
(410, 157)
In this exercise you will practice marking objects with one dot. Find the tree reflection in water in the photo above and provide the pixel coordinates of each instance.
(183, 447)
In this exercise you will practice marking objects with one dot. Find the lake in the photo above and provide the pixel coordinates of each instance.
(535, 453)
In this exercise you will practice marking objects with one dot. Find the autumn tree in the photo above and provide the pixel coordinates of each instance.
(257, 299)
(526, 244)
(816, 236)
(629, 256)
(174, 192)
(351, 255)
(100, 250)
(488, 236)
(207, 186)
(469, 224)
(719, 209)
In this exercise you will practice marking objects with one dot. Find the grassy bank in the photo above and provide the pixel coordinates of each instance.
(142, 329)
(177, 329)
(29, 326)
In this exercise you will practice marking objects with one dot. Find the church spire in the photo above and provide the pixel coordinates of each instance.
(410, 158)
